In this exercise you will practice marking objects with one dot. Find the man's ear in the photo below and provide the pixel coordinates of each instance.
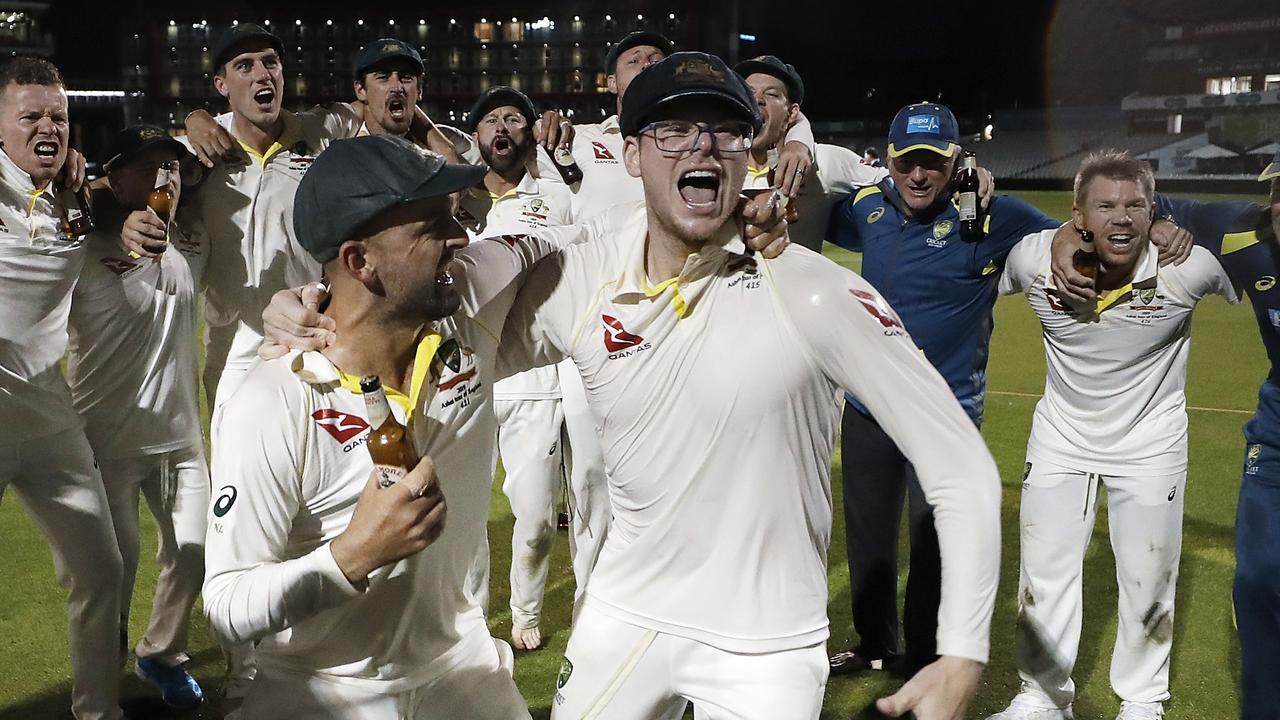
(353, 257)
(793, 115)
(361, 94)
(1077, 218)
(631, 155)
(220, 84)
(611, 81)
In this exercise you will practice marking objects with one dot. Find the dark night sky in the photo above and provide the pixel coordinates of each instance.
(980, 55)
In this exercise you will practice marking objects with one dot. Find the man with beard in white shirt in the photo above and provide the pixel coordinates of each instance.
(513, 199)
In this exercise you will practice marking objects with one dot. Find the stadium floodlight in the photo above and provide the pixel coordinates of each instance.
(988, 132)
(745, 36)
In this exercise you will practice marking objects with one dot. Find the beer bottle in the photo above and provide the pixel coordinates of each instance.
(77, 217)
(566, 165)
(971, 215)
(389, 443)
(161, 198)
(1085, 259)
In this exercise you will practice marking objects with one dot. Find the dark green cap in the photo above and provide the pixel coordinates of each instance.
(771, 65)
(497, 97)
(237, 35)
(640, 37)
(385, 49)
(134, 140)
(682, 75)
(355, 180)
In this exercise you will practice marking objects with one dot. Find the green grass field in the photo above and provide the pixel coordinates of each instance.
(1227, 365)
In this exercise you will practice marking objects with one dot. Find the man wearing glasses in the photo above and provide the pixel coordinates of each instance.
(715, 375)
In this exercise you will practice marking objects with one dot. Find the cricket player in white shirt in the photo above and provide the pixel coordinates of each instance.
(513, 199)
(836, 170)
(353, 615)
(45, 457)
(716, 376)
(287, 561)
(133, 374)
(1113, 415)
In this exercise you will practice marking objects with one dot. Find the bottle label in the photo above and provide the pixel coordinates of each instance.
(563, 156)
(968, 206)
(389, 475)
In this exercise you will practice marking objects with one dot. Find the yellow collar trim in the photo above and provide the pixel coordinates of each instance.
(264, 158)
(677, 300)
(427, 348)
(495, 197)
(756, 172)
(1111, 298)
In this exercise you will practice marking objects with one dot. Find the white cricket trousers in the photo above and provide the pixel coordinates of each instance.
(176, 487)
(1056, 519)
(588, 487)
(219, 385)
(529, 442)
(479, 687)
(614, 670)
(58, 482)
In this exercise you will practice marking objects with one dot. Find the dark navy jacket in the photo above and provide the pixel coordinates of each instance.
(1240, 235)
(942, 287)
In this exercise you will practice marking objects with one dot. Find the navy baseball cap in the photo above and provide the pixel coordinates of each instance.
(134, 140)
(635, 39)
(771, 65)
(242, 34)
(924, 126)
(683, 75)
(386, 49)
(497, 97)
(355, 180)
(1271, 171)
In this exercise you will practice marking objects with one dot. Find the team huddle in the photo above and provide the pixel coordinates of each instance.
(636, 311)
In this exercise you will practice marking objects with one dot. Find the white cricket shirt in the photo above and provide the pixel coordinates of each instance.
(38, 268)
(247, 211)
(1114, 400)
(290, 464)
(720, 397)
(836, 172)
(536, 203)
(132, 364)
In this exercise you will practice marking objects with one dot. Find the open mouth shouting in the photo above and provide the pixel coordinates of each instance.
(264, 97)
(700, 187)
(397, 107)
(46, 151)
(502, 145)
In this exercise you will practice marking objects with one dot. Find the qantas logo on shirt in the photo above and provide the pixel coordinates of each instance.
(881, 311)
(618, 341)
(602, 152)
(342, 426)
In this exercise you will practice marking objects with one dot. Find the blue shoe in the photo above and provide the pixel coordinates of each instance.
(177, 688)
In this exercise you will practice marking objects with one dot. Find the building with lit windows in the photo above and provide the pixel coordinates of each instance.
(556, 58)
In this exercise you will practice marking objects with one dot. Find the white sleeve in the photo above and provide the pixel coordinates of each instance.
(1213, 279)
(488, 272)
(539, 328)
(857, 340)
(842, 171)
(339, 119)
(250, 589)
(1025, 261)
(802, 132)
